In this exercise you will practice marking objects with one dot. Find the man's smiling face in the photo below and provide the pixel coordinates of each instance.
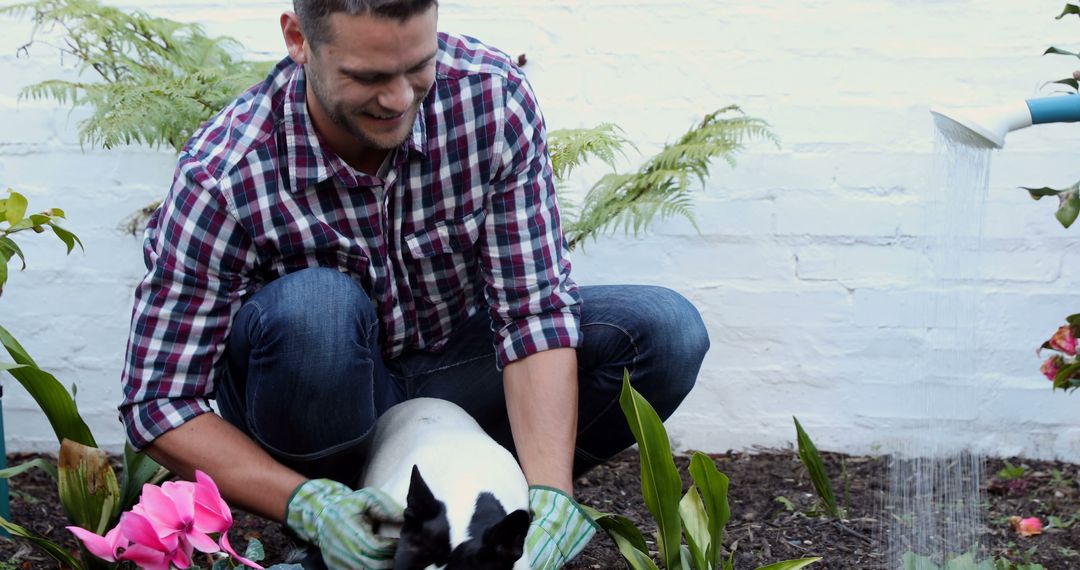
(369, 78)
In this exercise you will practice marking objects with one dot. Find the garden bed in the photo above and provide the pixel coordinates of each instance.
(762, 528)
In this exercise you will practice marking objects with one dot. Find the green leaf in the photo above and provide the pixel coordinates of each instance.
(626, 536)
(54, 550)
(254, 551)
(713, 486)
(139, 469)
(661, 485)
(1056, 51)
(67, 237)
(1069, 9)
(1069, 208)
(221, 564)
(790, 564)
(40, 463)
(1073, 320)
(1038, 193)
(1063, 377)
(16, 208)
(3, 271)
(89, 491)
(4, 366)
(695, 522)
(8, 248)
(1070, 81)
(811, 459)
(49, 394)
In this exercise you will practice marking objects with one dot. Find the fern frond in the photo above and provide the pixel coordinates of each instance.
(660, 188)
(570, 148)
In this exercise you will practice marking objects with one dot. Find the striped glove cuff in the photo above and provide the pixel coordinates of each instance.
(559, 531)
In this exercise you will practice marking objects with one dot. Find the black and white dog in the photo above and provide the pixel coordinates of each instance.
(466, 499)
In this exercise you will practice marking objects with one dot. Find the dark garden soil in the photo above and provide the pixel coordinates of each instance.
(762, 529)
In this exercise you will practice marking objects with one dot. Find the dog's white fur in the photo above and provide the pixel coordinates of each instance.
(457, 459)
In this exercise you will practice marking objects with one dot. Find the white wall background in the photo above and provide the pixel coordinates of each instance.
(811, 273)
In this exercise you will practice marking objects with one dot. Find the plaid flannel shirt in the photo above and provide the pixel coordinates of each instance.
(462, 218)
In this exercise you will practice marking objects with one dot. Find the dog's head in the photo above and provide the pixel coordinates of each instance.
(496, 540)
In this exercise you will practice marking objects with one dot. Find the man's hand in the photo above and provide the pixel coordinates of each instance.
(559, 531)
(342, 523)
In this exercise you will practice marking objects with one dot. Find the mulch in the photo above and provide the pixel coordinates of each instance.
(762, 529)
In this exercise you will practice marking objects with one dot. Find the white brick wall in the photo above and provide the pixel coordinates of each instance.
(810, 273)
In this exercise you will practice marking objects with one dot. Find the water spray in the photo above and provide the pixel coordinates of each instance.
(987, 126)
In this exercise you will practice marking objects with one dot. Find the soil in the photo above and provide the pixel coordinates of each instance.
(762, 529)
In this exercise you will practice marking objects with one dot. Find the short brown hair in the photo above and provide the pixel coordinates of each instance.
(313, 13)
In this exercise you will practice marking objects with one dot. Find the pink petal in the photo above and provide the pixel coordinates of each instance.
(211, 512)
(146, 558)
(104, 547)
(159, 508)
(202, 541)
(138, 529)
(182, 494)
(228, 548)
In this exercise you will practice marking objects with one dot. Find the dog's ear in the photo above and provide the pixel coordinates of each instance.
(421, 504)
(505, 540)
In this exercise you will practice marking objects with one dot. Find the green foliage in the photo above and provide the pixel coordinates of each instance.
(700, 514)
(661, 186)
(815, 468)
(1010, 472)
(87, 486)
(159, 79)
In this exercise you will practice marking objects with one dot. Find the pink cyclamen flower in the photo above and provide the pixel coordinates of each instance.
(168, 524)
(1064, 341)
(1026, 527)
(106, 547)
(1052, 366)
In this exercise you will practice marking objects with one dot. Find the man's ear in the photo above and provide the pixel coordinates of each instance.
(505, 540)
(294, 37)
(420, 503)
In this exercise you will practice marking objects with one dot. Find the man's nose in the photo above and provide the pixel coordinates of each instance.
(397, 95)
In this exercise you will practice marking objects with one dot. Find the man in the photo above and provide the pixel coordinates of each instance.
(376, 222)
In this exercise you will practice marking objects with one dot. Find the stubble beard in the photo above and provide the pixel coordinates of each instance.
(340, 117)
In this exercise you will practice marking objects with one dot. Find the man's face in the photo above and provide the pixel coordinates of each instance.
(371, 75)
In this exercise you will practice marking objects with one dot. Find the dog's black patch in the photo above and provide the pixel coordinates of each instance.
(495, 546)
(425, 534)
(488, 512)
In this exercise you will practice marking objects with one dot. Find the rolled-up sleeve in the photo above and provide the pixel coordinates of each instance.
(196, 254)
(528, 288)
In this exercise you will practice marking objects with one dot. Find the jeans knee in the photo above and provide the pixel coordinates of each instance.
(307, 310)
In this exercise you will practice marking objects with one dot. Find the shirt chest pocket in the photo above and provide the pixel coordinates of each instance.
(443, 257)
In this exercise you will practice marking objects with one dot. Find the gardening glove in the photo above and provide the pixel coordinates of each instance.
(342, 523)
(560, 528)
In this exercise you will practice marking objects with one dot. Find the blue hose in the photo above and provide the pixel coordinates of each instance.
(1057, 109)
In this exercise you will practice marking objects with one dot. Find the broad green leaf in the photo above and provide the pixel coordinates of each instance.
(9, 366)
(16, 208)
(40, 463)
(695, 523)
(685, 558)
(49, 394)
(661, 485)
(254, 551)
(3, 271)
(139, 469)
(67, 237)
(55, 551)
(40, 219)
(1073, 320)
(1069, 9)
(1038, 193)
(89, 492)
(810, 458)
(8, 248)
(1069, 208)
(626, 536)
(1065, 375)
(713, 487)
(791, 564)
(1070, 81)
(1056, 51)
(221, 564)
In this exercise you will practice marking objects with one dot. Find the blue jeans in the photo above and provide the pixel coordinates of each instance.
(306, 380)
